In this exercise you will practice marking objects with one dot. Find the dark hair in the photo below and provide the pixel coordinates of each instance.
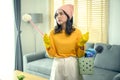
(69, 25)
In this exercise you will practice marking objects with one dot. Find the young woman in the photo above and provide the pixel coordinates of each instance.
(65, 43)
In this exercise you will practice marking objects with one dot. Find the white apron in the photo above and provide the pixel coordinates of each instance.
(65, 69)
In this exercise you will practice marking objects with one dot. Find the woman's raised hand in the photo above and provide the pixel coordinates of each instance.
(83, 39)
(46, 40)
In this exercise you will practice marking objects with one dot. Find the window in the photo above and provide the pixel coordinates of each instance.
(89, 15)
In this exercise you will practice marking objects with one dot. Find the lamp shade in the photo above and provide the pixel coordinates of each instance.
(37, 17)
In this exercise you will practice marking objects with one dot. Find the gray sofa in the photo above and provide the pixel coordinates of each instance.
(106, 64)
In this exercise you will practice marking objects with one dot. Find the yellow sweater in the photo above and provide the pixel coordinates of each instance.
(63, 45)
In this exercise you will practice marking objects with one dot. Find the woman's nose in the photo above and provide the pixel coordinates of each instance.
(59, 15)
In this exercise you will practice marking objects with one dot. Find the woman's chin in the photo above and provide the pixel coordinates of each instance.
(60, 23)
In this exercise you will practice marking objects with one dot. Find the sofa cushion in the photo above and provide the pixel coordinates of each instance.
(100, 74)
(117, 77)
(41, 66)
(109, 58)
(46, 54)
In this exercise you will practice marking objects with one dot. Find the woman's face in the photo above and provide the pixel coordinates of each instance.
(61, 18)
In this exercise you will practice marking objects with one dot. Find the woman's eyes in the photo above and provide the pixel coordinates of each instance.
(59, 13)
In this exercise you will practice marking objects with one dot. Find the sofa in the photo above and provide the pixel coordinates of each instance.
(106, 64)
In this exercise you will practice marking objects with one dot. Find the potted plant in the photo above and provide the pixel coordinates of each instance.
(20, 77)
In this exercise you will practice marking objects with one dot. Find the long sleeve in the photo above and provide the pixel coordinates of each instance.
(80, 52)
(51, 50)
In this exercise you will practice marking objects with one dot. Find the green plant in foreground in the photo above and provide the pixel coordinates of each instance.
(20, 77)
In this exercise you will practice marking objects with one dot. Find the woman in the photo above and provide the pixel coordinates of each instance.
(65, 43)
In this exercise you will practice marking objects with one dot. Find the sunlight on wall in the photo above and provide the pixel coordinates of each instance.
(7, 40)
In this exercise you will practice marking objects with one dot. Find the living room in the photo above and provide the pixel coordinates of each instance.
(27, 30)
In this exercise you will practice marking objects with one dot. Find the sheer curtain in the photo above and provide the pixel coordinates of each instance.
(7, 39)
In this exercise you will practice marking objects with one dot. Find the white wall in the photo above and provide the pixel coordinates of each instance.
(114, 22)
(27, 36)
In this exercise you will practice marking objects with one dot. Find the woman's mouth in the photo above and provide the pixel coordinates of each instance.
(59, 21)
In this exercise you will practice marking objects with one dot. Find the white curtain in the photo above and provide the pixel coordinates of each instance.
(7, 39)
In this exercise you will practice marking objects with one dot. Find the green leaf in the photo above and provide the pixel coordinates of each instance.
(20, 77)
